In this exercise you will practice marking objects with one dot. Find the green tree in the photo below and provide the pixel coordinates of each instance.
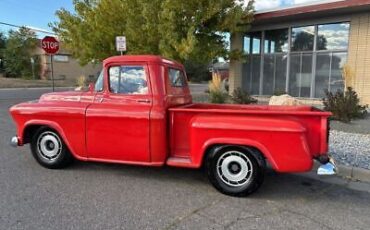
(18, 53)
(189, 30)
(2, 47)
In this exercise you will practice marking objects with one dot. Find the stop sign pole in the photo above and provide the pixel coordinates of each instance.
(51, 46)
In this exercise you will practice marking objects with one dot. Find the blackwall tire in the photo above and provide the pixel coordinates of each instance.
(49, 149)
(235, 171)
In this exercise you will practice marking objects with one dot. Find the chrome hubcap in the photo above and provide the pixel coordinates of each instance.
(49, 145)
(234, 168)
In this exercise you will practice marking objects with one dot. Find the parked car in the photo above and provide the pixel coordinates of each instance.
(140, 112)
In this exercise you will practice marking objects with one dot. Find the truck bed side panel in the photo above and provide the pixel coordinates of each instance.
(288, 141)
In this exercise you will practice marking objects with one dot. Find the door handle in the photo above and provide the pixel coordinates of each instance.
(143, 100)
(100, 100)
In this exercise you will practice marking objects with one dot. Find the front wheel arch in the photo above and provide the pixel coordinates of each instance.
(37, 124)
(62, 155)
(29, 131)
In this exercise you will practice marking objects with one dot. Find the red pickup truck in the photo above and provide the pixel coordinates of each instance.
(140, 112)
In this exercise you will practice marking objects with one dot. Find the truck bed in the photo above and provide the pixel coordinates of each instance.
(284, 134)
(247, 109)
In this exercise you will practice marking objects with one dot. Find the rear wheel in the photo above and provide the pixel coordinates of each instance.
(49, 150)
(235, 171)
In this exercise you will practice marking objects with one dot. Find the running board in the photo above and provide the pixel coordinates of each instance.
(180, 162)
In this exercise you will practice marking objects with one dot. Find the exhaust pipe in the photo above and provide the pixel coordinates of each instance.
(328, 166)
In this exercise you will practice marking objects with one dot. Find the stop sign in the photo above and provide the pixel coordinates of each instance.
(50, 44)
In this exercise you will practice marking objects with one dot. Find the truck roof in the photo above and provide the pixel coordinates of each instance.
(141, 58)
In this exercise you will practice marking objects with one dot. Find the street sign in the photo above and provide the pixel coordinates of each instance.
(121, 43)
(50, 44)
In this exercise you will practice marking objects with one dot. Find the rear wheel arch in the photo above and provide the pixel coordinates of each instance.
(258, 153)
(248, 174)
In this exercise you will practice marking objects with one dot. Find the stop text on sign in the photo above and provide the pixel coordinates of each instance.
(50, 45)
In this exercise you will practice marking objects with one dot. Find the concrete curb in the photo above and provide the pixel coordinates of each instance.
(354, 173)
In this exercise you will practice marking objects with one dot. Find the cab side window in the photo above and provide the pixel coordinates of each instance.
(128, 80)
(176, 77)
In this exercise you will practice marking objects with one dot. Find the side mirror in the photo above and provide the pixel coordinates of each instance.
(91, 87)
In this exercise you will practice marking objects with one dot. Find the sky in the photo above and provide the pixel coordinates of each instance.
(38, 13)
(33, 13)
(269, 4)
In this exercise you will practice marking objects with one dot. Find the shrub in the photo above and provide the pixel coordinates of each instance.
(217, 92)
(279, 92)
(240, 96)
(345, 106)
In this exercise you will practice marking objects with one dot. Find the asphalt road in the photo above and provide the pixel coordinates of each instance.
(110, 196)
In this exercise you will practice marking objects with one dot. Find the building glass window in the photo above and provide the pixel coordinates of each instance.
(268, 74)
(276, 41)
(280, 72)
(275, 54)
(252, 43)
(300, 74)
(247, 44)
(252, 46)
(255, 75)
(333, 36)
(256, 42)
(274, 73)
(310, 70)
(329, 72)
(303, 38)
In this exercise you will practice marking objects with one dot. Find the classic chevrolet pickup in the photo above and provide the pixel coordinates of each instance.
(140, 112)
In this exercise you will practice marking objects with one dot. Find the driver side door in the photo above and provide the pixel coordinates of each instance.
(117, 122)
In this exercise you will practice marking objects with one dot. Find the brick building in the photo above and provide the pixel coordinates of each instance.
(302, 50)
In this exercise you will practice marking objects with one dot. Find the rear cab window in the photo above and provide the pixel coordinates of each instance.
(176, 81)
(176, 77)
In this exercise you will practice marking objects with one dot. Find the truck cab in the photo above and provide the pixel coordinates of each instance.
(131, 99)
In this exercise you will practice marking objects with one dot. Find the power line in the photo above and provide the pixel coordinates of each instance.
(30, 28)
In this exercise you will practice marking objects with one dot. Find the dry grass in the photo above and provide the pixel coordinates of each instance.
(216, 84)
(81, 81)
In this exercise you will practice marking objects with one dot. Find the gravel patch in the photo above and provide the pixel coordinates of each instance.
(350, 149)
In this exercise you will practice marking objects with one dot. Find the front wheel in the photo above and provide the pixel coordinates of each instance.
(49, 150)
(235, 171)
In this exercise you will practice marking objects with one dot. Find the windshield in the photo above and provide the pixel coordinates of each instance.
(99, 82)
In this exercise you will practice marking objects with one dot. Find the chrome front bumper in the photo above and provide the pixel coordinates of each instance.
(327, 169)
(14, 141)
